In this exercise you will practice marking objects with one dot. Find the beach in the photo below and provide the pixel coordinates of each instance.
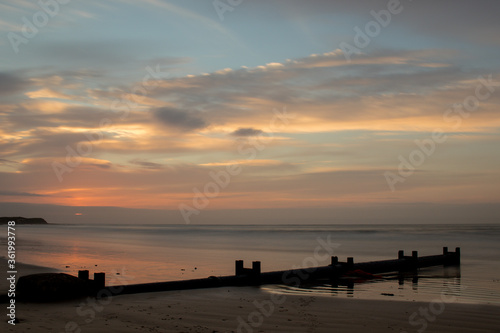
(249, 309)
(461, 298)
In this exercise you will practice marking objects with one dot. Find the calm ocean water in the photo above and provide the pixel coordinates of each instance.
(148, 253)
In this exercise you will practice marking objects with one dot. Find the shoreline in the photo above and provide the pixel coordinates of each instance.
(385, 292)
(250, 309)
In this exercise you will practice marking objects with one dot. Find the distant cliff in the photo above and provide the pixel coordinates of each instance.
(23, 220)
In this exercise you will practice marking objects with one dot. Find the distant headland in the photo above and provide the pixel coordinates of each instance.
(23, 220)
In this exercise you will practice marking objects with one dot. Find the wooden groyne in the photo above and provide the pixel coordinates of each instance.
(253, 276)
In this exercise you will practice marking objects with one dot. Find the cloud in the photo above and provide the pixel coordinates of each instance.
(381, 90)
(373, 93)
(146, 165)
(8, 162)
(10, 83)
(180, 119)
(47, 93)
(20, 194)
(247, 132)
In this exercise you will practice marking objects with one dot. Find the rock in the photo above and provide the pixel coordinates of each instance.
(49, 287)
(22, 220)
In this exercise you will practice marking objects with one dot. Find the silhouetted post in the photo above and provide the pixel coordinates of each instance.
(334, 274)
(99, 280)
(335, 261)
(256, 268)
(256, 272)
(84, 275)
(448, 260)
(350, 287)
(414, 259)
(350, 262)
(457, 255)
(401, 254)
(414, 282)
(239, 270)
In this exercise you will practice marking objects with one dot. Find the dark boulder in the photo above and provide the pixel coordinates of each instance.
(49, 287)
(23, 220)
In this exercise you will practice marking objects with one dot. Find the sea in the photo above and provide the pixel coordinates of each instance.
(130, 254)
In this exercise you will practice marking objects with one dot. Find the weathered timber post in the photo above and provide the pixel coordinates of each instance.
(335, 261)
(401, 279)
(334, 274)
(99, 280)
(401, 254)
(414, 259)
(350, 262)
(256, 270)
(449, 257)
(239, 270)
(84, 275)
(256, 267)
(457, 256)
(350, 287)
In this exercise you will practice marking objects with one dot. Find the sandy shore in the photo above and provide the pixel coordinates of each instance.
(249, 310)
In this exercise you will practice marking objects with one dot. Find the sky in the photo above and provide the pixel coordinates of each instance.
(250, 111)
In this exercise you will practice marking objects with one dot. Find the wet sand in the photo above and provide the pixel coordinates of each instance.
(250, 309)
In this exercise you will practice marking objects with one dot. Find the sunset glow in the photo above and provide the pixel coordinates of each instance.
(140, 116)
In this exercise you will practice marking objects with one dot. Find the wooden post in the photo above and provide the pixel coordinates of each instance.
(350, 287)
(414, 282)
(239, 270)
(414, 260)
(335, 261)
(255, 276)
(350, 262)
(401, 254)
(401, 279)
(256, 268)
(457, 255)
(448, 260)
(84, 275)
(99, 280)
